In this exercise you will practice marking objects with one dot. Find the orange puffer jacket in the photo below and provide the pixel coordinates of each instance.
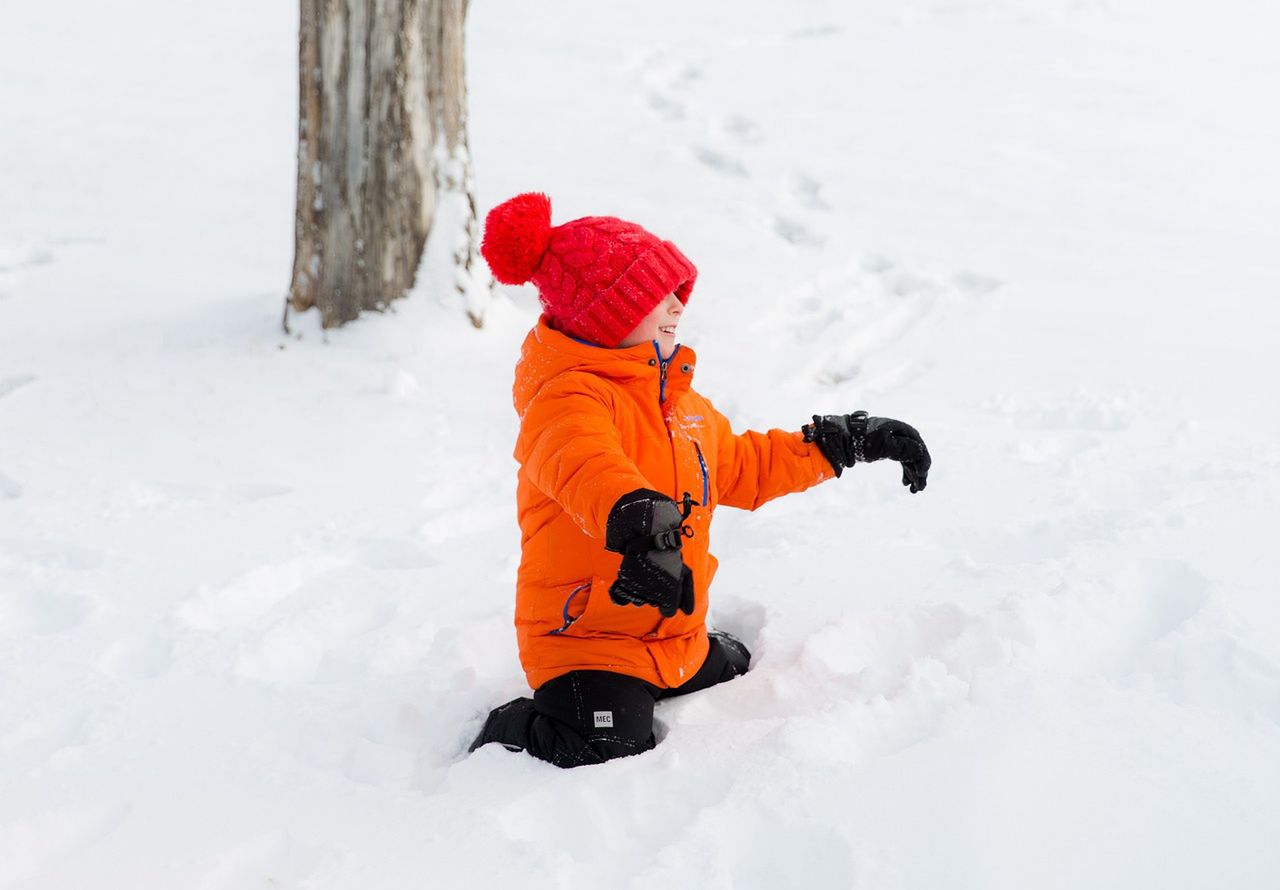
(598, 423)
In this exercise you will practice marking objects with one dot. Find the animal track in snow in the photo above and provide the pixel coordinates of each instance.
(10, 385)
(794, 232)
(815, 31)
(16, 258)
(671, 74)
(974, 284)
(739, 128)
(807, 192)
(670, 82)
(665, 107)
(719, 162)
(667, 79)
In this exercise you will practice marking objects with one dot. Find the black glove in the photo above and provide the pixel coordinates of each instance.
(645, 526)
(846, 439)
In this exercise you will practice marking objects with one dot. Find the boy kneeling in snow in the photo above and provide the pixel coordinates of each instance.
(621, 465)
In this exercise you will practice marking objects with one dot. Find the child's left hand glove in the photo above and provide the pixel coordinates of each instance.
(846, 439)
(645, 526)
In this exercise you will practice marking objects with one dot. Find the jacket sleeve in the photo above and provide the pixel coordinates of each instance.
(570, 449)
(753, 468)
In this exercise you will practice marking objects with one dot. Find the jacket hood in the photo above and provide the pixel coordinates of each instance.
(548, 353)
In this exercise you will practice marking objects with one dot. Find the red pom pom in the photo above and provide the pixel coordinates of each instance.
(516, 235)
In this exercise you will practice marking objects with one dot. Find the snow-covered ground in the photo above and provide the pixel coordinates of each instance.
(256, 591)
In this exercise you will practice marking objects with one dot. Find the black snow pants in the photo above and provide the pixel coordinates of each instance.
(587, 717)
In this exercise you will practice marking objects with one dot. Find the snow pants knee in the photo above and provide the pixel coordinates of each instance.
(587, 717)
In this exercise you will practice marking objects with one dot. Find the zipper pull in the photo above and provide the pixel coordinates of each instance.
(688, 503)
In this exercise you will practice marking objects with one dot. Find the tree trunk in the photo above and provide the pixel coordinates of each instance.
(451, 161)
(381, 87)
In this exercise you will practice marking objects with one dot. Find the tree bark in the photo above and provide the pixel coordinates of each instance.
(381, 87)
(454, 173)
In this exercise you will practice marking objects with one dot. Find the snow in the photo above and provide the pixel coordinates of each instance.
(256, 590)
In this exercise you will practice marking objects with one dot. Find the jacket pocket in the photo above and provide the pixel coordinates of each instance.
(595, 614)
(575, 605)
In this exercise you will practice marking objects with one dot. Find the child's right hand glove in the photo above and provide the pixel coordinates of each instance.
(846, 439)
(645, 526)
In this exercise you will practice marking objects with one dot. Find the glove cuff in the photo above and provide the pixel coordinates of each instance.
(840, 437)
(857, 422)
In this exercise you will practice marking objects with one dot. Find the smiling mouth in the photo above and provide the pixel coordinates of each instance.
(667, 329)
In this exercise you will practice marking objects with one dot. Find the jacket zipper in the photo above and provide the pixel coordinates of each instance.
(706, 481)
(663, 363)
(662, 369)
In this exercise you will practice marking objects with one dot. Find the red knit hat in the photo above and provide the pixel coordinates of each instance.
(597, 277)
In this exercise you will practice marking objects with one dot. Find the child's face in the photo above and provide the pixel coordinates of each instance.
(660, 325)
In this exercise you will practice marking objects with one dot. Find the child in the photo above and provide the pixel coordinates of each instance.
(622, 464)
